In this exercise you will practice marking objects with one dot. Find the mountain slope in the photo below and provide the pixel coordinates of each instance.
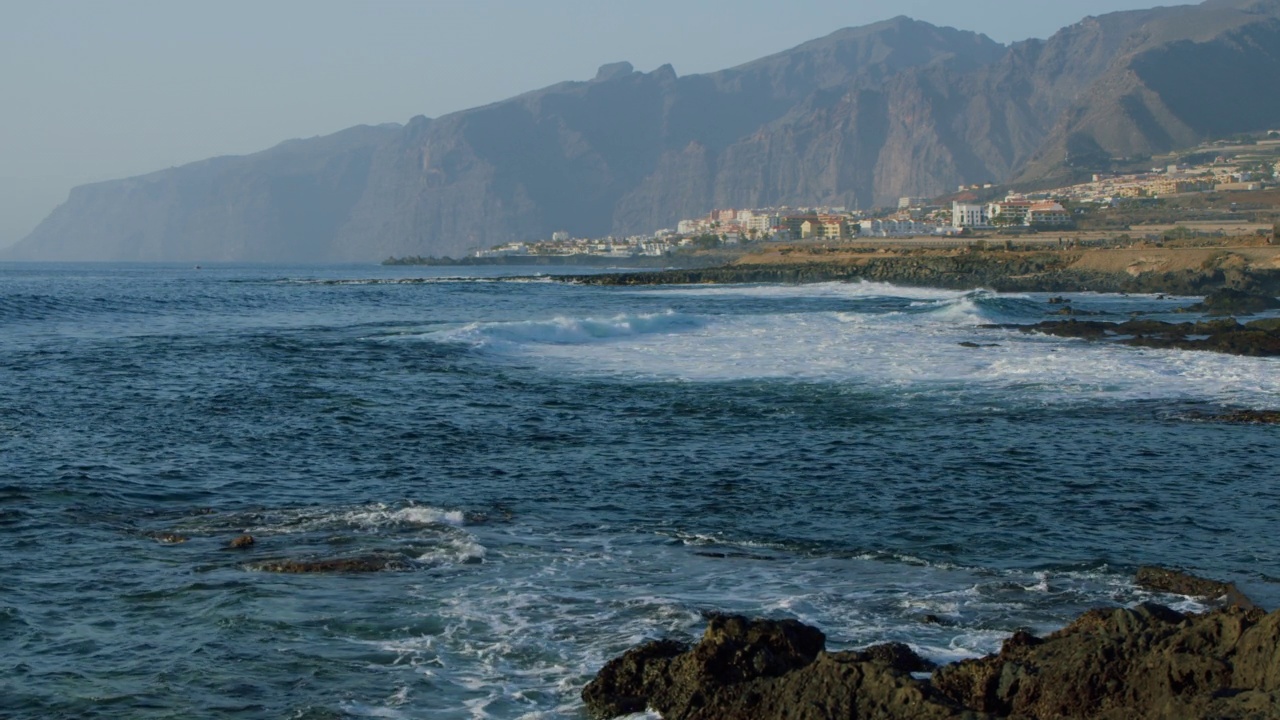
(857, 118)
(281, 204)
(1185, 75)
(626, 152)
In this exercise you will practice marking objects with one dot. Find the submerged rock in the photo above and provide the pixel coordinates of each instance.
(1143, 662)
(1181, 583)
(1260, 339)
(1252, 417)
(367, 564)
(1227, 301)
(241, 542)
(170, 538)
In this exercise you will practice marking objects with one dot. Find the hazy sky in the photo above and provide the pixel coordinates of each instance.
(93, 90)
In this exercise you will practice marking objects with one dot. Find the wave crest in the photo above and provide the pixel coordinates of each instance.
(572, 331)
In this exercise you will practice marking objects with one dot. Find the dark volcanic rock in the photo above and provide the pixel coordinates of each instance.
(1253, 417)
(626, 683)
(895, 655)
(1144, 662)
(1227, 301)
(756, 669)
(1224, 336)
(1175, 581)
(368, 564)
(1004, 272)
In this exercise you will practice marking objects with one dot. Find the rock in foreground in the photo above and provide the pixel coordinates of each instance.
(755, 669)
(1144, 662)
(1181, 583)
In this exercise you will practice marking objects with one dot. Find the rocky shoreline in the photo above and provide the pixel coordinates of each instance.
(1144, 662)
(1035, 271)
(1259, 338)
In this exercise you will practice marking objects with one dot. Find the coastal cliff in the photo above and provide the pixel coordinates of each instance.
(856, 119)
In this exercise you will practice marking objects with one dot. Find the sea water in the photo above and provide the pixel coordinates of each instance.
(561, 471)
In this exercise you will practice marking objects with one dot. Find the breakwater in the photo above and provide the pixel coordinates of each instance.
(1063, 271)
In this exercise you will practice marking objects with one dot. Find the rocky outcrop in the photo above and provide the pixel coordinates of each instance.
(1224, 336)
(1181, 583)
(1143, 662)
(365, 564)
(754, 669)
(1229, 301)
(1044, 271)
(241, 542)
(1251, 417)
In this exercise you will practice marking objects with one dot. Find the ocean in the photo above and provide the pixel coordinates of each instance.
(553, 473)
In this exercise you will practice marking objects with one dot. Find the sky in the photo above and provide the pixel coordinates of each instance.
(93, 90)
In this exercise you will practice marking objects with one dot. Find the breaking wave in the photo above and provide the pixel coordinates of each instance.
(571, 331)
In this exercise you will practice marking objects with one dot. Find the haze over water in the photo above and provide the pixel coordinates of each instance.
(560, 471)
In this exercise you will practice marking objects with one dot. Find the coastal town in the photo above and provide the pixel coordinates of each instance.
(976, 208)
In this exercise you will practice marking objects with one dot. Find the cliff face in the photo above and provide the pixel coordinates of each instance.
(281, 204)
(628, 151)
(854, 119)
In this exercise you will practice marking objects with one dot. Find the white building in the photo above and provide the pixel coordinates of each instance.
(690, 227)
(762, 224)
(969, 215)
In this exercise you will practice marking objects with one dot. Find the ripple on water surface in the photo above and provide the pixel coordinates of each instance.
(543, 475)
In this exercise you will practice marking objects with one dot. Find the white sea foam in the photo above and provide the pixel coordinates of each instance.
(380, 515)
(428, 280)
(915, 348)
(458, 550)
(854, 290)
(569, 331)
(373, 516)
(524, 636)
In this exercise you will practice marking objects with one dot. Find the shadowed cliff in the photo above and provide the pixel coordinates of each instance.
(856, 119)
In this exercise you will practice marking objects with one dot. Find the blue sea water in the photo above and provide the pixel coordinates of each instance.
(561, 471)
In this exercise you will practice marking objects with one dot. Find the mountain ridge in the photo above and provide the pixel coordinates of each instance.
(856, 118)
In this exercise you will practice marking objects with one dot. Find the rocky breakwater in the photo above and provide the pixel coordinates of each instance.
(1075, 270)
(1259, 338)
(965, 270)
(1143, 662)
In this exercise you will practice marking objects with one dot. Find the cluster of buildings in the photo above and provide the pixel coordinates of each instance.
(731, 227)
(1220, 176)
(1013, 211)
(913, 218)
(784, 224)
(562, 244)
